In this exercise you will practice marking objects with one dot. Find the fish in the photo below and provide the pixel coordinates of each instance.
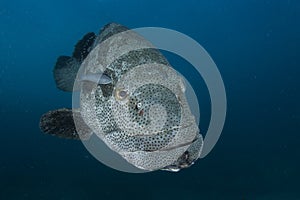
(130, 97)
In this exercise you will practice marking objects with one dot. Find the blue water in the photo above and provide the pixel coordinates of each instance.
(255, 44)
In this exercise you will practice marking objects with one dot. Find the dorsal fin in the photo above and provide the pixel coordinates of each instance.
(66, 67)
(84, 46)
(109, 30)
(65, 72)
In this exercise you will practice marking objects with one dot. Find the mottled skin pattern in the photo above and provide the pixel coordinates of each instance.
(143, 113)
(146, 133)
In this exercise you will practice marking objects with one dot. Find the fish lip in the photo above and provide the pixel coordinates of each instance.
(180, 145)
(156, 134)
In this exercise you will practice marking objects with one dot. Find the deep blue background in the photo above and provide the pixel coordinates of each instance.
(255, 44)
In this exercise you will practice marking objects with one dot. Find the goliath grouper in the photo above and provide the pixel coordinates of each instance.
(130, 97)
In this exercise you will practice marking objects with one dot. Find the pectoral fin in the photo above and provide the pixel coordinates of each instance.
(61, 123)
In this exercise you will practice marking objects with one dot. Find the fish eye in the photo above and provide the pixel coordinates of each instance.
(121, 94)
(139, 105)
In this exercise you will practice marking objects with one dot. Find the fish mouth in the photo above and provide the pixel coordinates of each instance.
(142, 138)
(181, 145)
(170, 148)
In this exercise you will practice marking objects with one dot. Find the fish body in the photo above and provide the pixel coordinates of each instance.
(134, 101)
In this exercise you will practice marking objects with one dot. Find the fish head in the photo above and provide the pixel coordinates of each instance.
(153, 123)
(135, 102)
